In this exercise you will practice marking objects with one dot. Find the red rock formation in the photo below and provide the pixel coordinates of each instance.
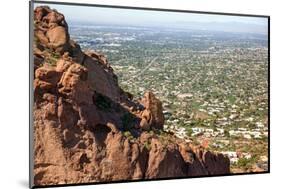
(152, 116)
(87, 129)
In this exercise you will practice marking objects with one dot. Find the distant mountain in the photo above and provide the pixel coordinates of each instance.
(233, 27)
(229, 27)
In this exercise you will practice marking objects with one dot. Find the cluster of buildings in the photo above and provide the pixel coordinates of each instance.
(212, 87)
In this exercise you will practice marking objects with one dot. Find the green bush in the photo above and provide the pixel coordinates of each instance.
(128, 135)
(246, 163)
(52, 57)
(147, 145)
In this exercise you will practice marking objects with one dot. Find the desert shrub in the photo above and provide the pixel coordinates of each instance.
(189, 131)
(55, 55)
(129, 136)
(151, 132)
(246, 163)
(147, 145)
(51, 61)
(51, 57)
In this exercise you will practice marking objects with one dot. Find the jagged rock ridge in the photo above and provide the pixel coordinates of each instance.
(87, 129)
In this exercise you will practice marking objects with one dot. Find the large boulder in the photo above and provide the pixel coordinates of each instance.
(73, 83)
(165, 161)
(51, 30)
(58, 39)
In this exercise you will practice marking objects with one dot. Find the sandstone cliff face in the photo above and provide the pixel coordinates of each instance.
(87, 129)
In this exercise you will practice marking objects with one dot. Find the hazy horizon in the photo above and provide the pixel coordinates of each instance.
(149, 18)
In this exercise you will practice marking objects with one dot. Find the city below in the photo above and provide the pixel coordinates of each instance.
(213, 85)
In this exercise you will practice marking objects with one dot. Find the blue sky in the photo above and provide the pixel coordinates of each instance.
(160, 19)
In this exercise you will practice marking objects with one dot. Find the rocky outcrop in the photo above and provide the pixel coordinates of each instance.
(87, 129)
(152, 116)
(51, 29)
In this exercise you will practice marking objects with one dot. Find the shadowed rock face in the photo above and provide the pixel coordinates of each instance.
(152, 116)
(87, 129)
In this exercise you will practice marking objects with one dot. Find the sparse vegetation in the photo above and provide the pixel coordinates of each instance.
(129, 136)
(147, 145)
(245, 163)
(51, 57)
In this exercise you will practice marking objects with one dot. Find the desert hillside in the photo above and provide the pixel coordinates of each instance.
(87, 129)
